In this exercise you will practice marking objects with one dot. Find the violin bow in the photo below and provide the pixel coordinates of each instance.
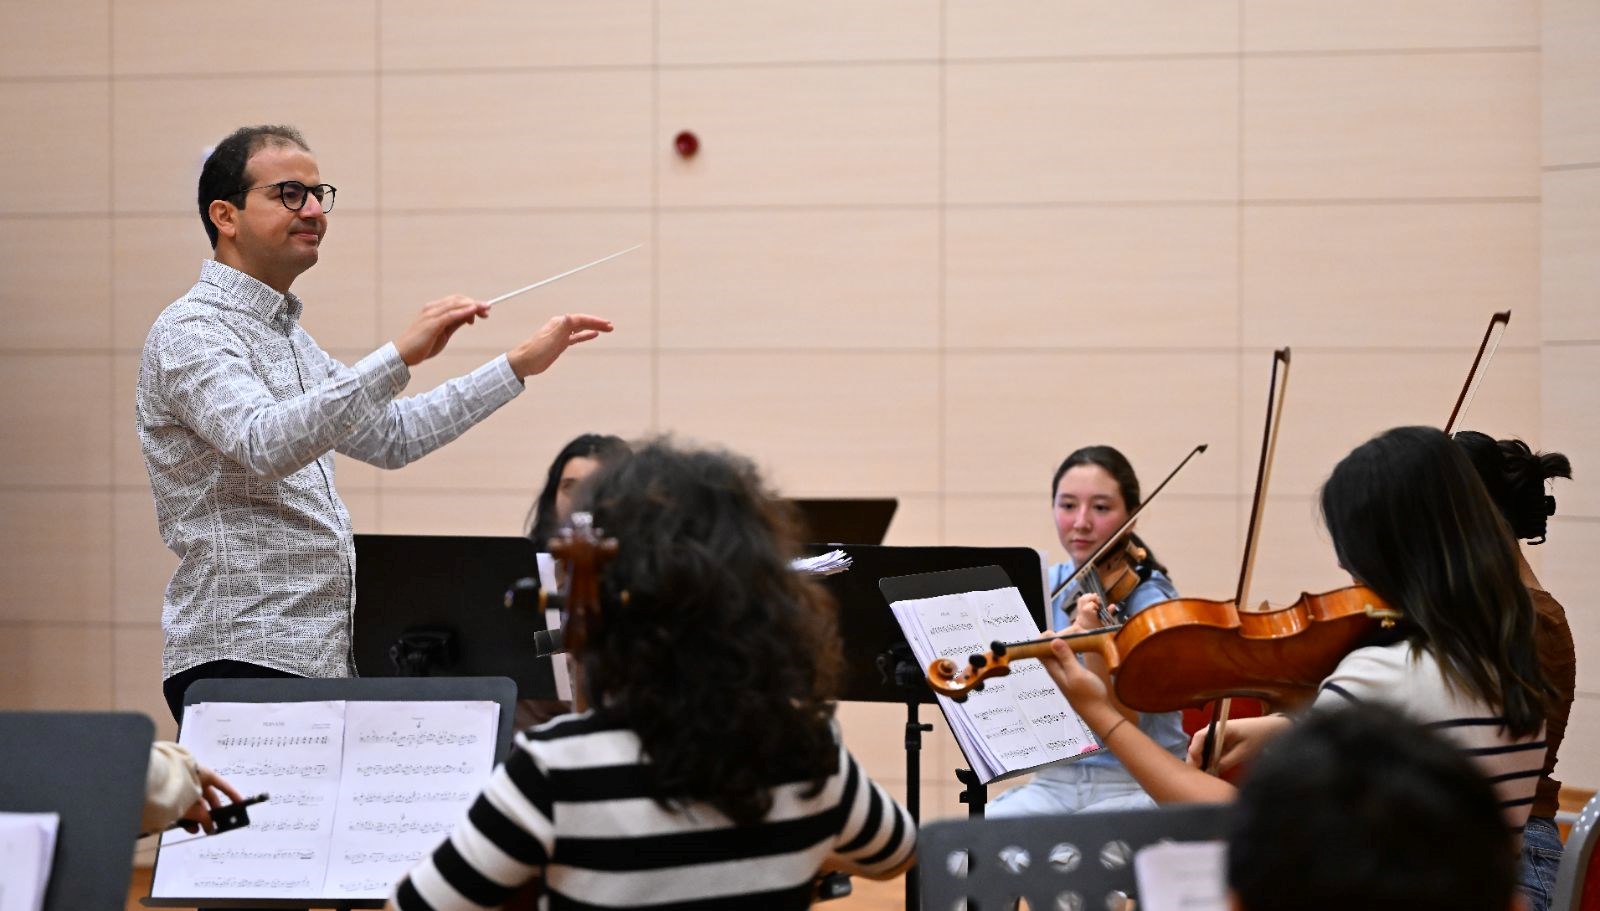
(1116, 536)
(1469, 389)
(1276, 394)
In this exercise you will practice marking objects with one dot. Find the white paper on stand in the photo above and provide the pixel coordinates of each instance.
(27, 852)
(1182, 876)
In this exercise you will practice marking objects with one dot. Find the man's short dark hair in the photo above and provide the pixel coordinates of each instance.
(1363, 808)
(223, 176)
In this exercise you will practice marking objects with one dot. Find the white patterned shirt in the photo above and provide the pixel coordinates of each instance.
(239, 415)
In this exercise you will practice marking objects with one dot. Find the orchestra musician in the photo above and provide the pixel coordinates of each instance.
(240, 412)
(1410, 520)
(708, 770)
(1093, 491)
(1515, 477)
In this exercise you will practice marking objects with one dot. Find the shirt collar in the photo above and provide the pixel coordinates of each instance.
(251, 295)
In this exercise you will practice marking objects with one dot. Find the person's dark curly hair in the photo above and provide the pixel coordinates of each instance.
(1515, 477)
(223, 175)
(721, 658)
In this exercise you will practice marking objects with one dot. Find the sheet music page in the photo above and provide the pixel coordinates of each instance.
(27, 852)
(1015, 722)
(289, 750)
(410, 771)
(1182, 876)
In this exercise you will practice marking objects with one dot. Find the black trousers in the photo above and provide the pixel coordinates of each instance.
(173, 687)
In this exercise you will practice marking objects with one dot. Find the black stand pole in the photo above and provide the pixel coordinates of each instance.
(901, 665)
(975, 795)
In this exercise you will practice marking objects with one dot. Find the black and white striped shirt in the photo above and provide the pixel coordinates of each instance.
(1415, 685)
(574, 807)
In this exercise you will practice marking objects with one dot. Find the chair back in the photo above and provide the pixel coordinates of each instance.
(1076, 861)
(1578, 880)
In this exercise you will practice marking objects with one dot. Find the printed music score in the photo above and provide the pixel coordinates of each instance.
(1016, 723)
(361, 791)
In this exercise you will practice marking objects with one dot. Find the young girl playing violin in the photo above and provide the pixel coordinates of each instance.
(1410, 520)
(1093, 492)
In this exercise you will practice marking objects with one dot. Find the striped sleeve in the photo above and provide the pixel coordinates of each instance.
(877, 836)
(502, 845)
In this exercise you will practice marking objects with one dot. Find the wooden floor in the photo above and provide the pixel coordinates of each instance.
(866, 895)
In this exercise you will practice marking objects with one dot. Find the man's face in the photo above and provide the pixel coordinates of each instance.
(274, 241)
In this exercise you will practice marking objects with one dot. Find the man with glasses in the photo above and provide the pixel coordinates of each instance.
(240, 413)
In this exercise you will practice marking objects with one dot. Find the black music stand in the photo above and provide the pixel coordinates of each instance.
(90, 768)
(436, 605)
(350, 689)
(878, 664)
(846, 521)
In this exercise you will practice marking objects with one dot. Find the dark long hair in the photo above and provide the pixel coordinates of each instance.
(1410, 520)
(1121, 470)
(1514, 475)
(540, 525)
(721, 658)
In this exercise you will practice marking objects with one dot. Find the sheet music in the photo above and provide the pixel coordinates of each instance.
(1018, 721)
(1182, 876)
(289, 750)
(27, 852)
(411, 770)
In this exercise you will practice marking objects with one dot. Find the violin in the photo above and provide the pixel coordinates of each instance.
(1114, 578)
(1187, 652)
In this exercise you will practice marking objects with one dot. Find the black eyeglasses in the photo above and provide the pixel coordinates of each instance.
(293, 193)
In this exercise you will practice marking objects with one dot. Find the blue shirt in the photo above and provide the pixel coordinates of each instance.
(1165, 728)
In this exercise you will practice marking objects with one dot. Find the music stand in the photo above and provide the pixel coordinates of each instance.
(846, 521)
(349, 689)
(50, 760)
(437, 605)
(878, 664)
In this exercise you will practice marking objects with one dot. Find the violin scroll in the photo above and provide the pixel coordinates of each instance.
(947, 678)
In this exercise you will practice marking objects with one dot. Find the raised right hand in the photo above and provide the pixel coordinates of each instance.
(431, 330)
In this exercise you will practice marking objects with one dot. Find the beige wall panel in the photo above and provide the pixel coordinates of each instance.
(1293, 553)
(352, 475)
(491, 512)
(58, 556)
(573, 138)
(141, 565)
(1010, 419)
(1358, 276)
(1197, 537)
(66, 38)
(1568, 573)
(874, 732)
(57, 419)
(55, 281)
(1102, 130)
(426, 257)
(1571, 377)
(774, 279)
(836, 135)
(1579, 763)
(488, 34)
(917, 522)
(364, 510)
(127, 461)
(1082, 277)
(1300, 25)
(773, 31)
(1402, 125)
(1337, 400)
(158, 259)
(1570, 299)
(136, 676)
(588, 390)
(1053, 28)
(1571, 82)
(289, 36)
(165, 127)
(56, 667)
(851, 424)
(55, 151)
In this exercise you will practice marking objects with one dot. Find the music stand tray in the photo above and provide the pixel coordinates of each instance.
(90, 768)
(449, 594)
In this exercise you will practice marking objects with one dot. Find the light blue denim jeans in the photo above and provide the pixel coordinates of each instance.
(1072, 788)
(1541, 856)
